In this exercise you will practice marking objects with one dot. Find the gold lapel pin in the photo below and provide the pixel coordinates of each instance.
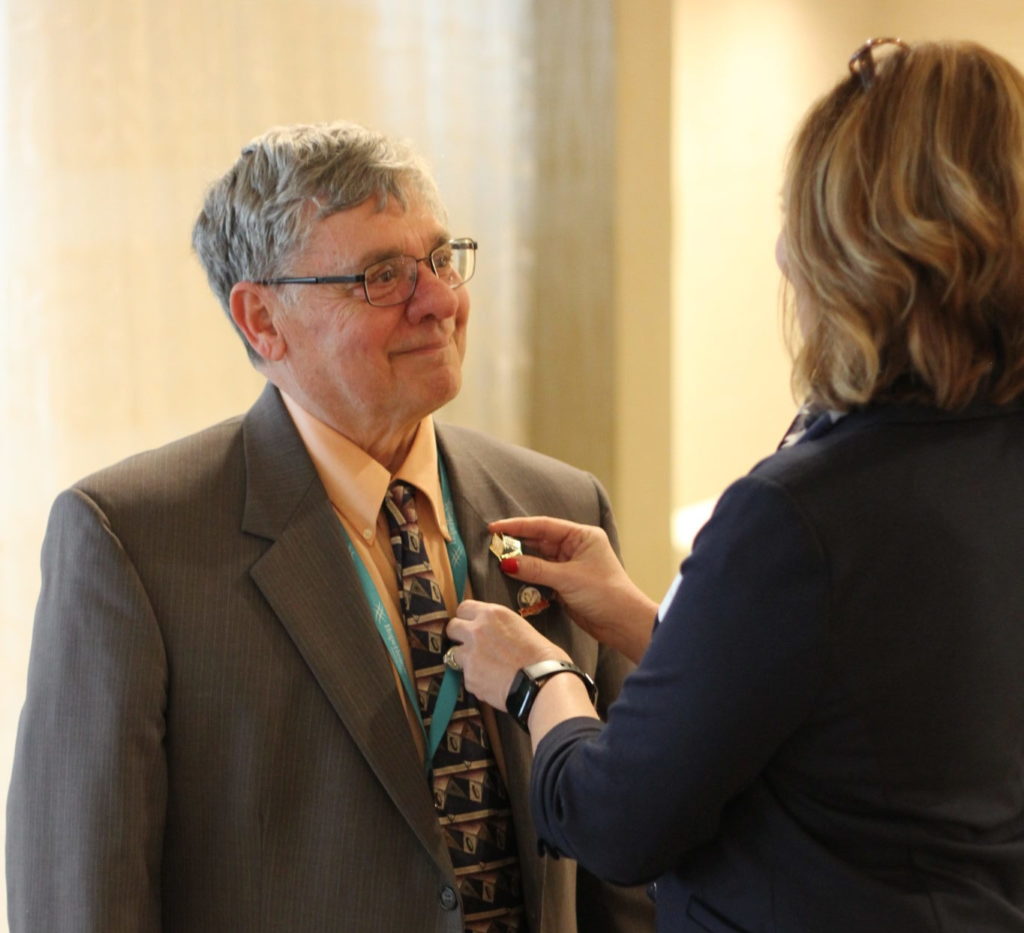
(530, 599)
(503, 546)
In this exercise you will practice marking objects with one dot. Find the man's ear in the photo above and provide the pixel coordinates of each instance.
(253, 308)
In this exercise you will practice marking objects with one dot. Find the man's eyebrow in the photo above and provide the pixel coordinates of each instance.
(379, 255)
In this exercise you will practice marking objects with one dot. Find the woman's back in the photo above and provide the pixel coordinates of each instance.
(910, 770)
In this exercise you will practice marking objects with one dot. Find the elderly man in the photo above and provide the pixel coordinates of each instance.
(239, 714)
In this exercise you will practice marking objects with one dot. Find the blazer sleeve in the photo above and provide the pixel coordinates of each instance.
(612, 667)
(603, 907)
(732, 670)
(86, 807)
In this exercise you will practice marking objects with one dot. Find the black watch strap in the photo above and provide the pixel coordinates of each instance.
(528, 681)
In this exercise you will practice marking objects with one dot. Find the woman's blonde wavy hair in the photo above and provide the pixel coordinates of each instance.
(904, 233)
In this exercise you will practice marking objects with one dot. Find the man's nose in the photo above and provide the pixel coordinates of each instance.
(431, 297)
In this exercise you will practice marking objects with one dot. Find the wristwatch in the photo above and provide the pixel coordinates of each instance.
(528, 681)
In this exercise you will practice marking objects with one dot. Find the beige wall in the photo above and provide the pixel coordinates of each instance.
(744, 73)
(600, 315)
(645, 289)
(657, 126)
(115, 117)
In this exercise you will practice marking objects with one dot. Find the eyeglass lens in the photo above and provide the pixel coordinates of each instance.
(393, 281)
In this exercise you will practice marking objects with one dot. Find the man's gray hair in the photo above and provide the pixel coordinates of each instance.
(263, 209)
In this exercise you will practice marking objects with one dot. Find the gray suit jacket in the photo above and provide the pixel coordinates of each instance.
(212, 738)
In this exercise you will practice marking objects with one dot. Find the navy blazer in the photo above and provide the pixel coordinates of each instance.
(827, 731)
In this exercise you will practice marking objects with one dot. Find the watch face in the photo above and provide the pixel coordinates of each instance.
(528, 681)
(516, 702)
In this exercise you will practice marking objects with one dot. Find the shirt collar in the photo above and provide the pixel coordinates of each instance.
(356, 483)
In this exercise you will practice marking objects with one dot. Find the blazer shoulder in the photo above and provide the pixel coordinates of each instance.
(850, 446)
(189, 468)
(538, 481)
(470, 444)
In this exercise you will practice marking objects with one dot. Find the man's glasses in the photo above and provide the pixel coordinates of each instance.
(862, 62)
(392, 281)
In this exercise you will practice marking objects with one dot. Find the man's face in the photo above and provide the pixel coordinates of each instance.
(367, 371)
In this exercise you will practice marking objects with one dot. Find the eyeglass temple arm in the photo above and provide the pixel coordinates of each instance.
(312, 280)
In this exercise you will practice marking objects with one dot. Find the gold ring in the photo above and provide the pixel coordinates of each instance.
(449, 659)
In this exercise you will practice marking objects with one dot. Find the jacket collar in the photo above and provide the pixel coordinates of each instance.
(878, 414)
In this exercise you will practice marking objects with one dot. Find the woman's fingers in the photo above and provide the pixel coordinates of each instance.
(542, 535)
(539, 526)
(554, 538)
(534, 570)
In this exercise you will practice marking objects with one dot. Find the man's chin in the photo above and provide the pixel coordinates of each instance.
(446, 390)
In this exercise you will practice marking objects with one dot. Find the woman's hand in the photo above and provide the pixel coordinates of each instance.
(493, 644)
(578, 563)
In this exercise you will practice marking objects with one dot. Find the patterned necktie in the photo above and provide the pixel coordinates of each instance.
(469, 793)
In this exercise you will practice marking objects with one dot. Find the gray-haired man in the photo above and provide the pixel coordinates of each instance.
(232, 715)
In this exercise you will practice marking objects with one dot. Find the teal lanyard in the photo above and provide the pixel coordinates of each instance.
(450, 683)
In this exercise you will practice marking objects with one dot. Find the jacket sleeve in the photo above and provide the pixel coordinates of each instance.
(732, 670)
(85, 811)
(602, 907)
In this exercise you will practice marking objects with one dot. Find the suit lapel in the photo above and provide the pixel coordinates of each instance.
(309, 580)
(478, 498)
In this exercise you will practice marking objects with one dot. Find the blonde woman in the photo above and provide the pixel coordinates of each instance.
(825, 732)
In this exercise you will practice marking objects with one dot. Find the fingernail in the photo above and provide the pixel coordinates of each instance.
(510, 565)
